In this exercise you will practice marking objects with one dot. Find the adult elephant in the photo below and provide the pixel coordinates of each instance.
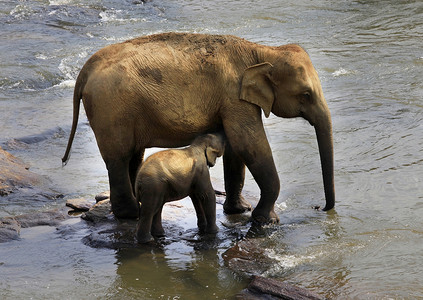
(164, 90)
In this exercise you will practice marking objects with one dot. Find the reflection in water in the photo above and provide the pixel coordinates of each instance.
(174, 271)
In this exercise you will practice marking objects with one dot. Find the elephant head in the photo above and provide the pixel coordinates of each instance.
(213, 144)
(289, 87)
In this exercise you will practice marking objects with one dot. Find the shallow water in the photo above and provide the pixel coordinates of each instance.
(370, 60)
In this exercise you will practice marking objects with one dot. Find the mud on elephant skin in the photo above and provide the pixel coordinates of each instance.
(173, 175)
(164, 90)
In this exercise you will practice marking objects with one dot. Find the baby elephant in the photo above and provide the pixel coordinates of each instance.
(174, 174)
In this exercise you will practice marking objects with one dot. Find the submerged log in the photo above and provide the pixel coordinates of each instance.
(247, 257)
(267, 288)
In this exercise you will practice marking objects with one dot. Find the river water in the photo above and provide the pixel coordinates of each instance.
(369, 55)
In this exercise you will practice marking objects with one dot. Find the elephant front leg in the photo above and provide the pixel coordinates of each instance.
(201, 217)
(268, 181)
(124, 204)
(249, 143)
(204, 202)
(234, 175)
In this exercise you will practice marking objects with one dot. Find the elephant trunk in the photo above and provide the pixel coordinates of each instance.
(325, 141)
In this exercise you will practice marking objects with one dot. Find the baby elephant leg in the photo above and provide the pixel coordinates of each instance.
(206, 199)
(201, 216)
(157, 228)
(149, 208)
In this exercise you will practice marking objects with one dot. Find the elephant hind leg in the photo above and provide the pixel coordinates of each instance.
(151, 208)
(157, 227)
(124, 204)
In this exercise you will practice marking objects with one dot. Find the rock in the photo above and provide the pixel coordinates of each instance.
(18, 183)
(248, 257)
(102, 196)
(14, 174)
(100, 212)
(9, 229)
(80, 204)
(267, 288)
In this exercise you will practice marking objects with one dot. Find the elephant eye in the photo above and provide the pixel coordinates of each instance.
(307, 97)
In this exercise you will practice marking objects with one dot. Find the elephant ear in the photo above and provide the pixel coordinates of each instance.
(256, 87)
(211, 156)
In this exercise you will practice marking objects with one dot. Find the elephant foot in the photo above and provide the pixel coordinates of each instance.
(127, 211)
(158, 232)
(212, 229)
(144, 238)
(264, 217)
(126, 214)
(237, 206)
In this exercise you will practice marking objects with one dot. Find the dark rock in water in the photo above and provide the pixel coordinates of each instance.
(248, 257)
(9, 229)
(36, 138)
(106, 230)
(102, 196)
(267, 288)
(10, 226)
(112, 235)
(100, 212)
(45, 218)
(80, 204)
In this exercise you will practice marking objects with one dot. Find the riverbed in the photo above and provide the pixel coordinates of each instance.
(369, 56)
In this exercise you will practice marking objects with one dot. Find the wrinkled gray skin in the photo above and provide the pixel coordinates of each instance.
(175, 174)
(165, 90)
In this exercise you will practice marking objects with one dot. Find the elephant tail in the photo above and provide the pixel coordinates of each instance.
(77, 95)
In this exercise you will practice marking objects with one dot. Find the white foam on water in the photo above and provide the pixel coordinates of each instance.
(289, 261)
(110, 16)
(342, 72)
(60, 2)
(41, 56)
(66, 84)
(281, 206)
(68, 69)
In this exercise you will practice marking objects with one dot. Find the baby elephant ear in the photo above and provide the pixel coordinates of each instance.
(211, 156)
(256, 87)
